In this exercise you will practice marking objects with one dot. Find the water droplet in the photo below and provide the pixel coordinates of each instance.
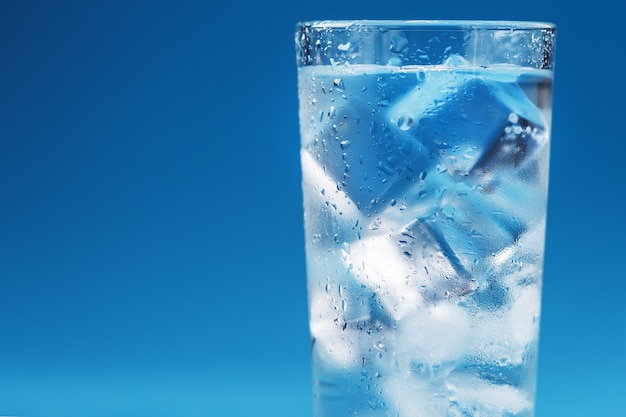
(338, 82)
(375, 224)
(344, 144)
(422, 175)
(385, 167)
(405, 122)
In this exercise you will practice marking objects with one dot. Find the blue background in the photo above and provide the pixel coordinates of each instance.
(151, 247)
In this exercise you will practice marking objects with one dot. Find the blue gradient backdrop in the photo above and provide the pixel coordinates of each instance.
(151, 248)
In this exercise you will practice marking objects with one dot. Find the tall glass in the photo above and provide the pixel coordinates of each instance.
(425, 150)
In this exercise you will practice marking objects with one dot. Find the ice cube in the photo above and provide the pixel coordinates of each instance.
(330, 214)
(350, 336)
(409, 397)
(509, 335)
(344, 321)
(421, 200)
(474, 396)
(380, 264)
(470, 230)
(492, 371)
(351, 139)
(406, 268)
(462, 115)
(331, 344)
(432, 337)
(347, 320)
(517, 164)
(519, 141)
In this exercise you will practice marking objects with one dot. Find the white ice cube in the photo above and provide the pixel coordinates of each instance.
(379, 264)
(433, 335)
(480, 398)
(508, 334)
(334, 343)
(328, 209)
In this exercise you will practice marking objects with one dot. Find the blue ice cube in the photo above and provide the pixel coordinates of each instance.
(515, 171)
(462, 115)
(353, 141)
(518, 143)
(471, 230)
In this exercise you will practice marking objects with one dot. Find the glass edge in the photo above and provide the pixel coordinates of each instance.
(430, 24)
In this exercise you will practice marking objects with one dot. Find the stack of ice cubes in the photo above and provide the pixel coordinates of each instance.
(411, 225)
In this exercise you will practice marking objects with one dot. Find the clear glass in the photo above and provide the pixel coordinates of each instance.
(424, 151)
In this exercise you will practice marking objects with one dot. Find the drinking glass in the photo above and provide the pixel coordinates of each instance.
(424, 153)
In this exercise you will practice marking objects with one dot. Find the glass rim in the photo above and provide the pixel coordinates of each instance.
(430, 24)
